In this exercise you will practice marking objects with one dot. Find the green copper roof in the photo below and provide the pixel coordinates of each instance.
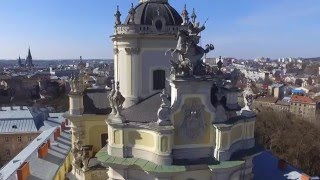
(149, 166)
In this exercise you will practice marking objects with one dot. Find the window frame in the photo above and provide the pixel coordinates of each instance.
(19, 139)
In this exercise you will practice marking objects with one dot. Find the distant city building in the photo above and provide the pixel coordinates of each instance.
(305, 107)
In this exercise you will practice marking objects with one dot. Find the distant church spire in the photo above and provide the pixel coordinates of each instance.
(29, 59)
(19, 62)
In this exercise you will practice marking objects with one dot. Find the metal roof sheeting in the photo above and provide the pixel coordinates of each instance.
(15, 113)
(17, 126)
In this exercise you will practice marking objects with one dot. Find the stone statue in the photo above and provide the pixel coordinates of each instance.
(164, 110)
(110, 97)
(132, 13)
(77, 152)
(185, 16)
(77, 83)
(190, 54)
(248, 96)
(235, 77)
(117, 16)
(220, 110)
(118, 101)
(85, 159)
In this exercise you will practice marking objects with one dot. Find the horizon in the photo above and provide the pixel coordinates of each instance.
(245, 30)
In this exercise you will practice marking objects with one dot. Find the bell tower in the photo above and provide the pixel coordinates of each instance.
(140, 43)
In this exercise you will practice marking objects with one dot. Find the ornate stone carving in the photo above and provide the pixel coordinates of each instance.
(193, 123)
(77, 83)
(190, 54)
(132, 50)
(132, 13)
(115, 50)
(77, 152)
(118, 101)
(193, 17)
(164, 110)
(85, 158)
(220, 110)
(110, 97)
(117, 16)
(185, 16)
(248, 96)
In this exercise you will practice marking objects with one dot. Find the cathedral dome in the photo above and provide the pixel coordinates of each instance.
(148, 10)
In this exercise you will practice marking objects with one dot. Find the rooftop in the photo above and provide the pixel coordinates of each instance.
(15, 112)
(103, 157)
(267, 99)
(17, 126)
(145, 111)
(41, 168)
(301, 99)
(266, 167)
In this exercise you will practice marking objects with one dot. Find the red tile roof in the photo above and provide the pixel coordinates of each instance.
(301, 99)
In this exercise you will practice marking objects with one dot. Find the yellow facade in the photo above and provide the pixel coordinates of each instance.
(236, 133)
(64, 168)
(178, 117)
(93, 126)
(141, 139)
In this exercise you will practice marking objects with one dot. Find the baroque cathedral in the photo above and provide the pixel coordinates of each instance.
(167, 114)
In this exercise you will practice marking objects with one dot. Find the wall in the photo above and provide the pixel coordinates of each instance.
(135, 58)
(65, 167)
(13, 145)
(140, 143)
(189, 134)
(92, 126)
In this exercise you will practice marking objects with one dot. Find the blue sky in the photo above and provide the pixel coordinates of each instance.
(56, 29)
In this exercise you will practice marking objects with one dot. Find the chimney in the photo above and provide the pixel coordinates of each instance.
(48, 142)
(43, 150)
(56, 134)
(63, 126)
(23, 171)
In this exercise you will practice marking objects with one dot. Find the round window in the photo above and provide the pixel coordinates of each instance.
(158, 25)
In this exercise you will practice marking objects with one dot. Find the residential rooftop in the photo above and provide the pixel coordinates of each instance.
(15, 112)
(41, 168)
(302, 99)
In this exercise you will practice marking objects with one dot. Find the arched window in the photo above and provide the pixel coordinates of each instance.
(159, 79)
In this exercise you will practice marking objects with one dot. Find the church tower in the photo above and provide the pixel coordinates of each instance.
(140, 44)
(19, 62)
(29, 62)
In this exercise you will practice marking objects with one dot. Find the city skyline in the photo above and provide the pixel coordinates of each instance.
(248, 29)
